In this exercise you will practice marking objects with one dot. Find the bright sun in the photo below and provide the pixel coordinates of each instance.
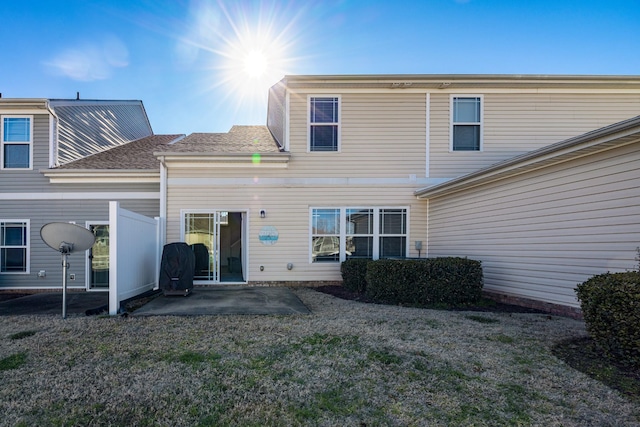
(255, 64)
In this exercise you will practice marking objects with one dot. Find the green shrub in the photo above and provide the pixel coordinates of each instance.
(353, 272)
(611, 307)
(425, 281)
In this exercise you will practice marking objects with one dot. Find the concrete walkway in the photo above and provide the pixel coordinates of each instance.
(51, 303)
(219, 300)
(226, 300)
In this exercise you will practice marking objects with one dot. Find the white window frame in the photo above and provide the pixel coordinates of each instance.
(3, 143)
(453, 123)
(338, 124)
(343, 230)
(27, 246)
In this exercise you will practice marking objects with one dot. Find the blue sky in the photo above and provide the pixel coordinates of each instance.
(187, 60)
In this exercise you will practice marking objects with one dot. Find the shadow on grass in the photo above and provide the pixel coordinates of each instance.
(583, 355)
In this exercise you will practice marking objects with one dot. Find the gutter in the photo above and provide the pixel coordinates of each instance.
(53, 137)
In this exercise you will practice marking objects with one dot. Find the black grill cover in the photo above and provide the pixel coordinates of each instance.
(176, 269)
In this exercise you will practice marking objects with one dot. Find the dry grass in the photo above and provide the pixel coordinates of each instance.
(348, 363)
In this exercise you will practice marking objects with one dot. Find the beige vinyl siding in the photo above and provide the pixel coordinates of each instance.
(382, 135)
(515, 123)
(287, 208)
(540, 234)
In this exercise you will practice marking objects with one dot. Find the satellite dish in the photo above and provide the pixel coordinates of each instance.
(66, 238)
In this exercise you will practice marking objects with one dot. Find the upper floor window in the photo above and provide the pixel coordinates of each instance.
(324, 123)
(17, 137)
(466, 123)
(14, 246)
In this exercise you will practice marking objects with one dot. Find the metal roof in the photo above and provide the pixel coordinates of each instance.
(87, 127)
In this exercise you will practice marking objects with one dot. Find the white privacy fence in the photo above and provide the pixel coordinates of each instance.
(134, 255)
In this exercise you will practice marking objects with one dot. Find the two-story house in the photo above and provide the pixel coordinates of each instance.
(345, 165)
(64, 161)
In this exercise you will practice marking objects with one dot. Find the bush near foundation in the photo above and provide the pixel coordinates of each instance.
(611, 308)
(448, 280)
(353, 272)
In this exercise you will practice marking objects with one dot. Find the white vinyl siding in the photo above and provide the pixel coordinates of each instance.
(540, 234)
(16, 142)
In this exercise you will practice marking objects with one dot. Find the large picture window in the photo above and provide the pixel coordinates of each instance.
(324, 123)
(338, 234)
(466, 123)
(16, 134)
(14, 246)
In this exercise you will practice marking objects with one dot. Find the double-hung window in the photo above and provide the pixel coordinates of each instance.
(16, 142)
(338, 234)
(14, 246)
(324, 123)
(466, 123)
(393, 233)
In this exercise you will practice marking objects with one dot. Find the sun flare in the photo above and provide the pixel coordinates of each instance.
(255, 64)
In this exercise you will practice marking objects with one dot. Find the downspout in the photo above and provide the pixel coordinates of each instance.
(53, 137)
(163, 201)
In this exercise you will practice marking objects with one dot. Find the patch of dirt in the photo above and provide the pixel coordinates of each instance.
(485, 305)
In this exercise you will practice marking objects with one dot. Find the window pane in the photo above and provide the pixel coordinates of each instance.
(13, 259)
(359, 247)
(359, 221)
(392, 247)
(16, 129)
(466, 138)
(16, 156)
(326, 221)
(13, 234)
(324, 138)
(393, 221)
(326, 248)
(324, 110)
(466, 110)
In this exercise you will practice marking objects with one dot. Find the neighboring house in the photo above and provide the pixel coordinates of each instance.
(64, 161)
(334, 174)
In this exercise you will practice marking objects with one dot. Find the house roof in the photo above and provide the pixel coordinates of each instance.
(608, 137)
(242, 146)
(87, 127)
(129, 156)
(239, 140)
(132, 162)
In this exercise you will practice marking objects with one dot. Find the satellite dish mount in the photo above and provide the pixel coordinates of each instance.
(66, 238)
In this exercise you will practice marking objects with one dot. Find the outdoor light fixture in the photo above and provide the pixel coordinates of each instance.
(263, 213)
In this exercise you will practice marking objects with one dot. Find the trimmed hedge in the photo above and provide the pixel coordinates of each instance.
(610, 305)
(353, 272)
(424, 281)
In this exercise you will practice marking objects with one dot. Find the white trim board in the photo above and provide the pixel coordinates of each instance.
(150, 195)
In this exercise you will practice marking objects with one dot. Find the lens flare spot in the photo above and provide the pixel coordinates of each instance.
(255, 158)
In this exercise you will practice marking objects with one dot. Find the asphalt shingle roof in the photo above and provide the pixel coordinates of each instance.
(130, 156)
(240, 139)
